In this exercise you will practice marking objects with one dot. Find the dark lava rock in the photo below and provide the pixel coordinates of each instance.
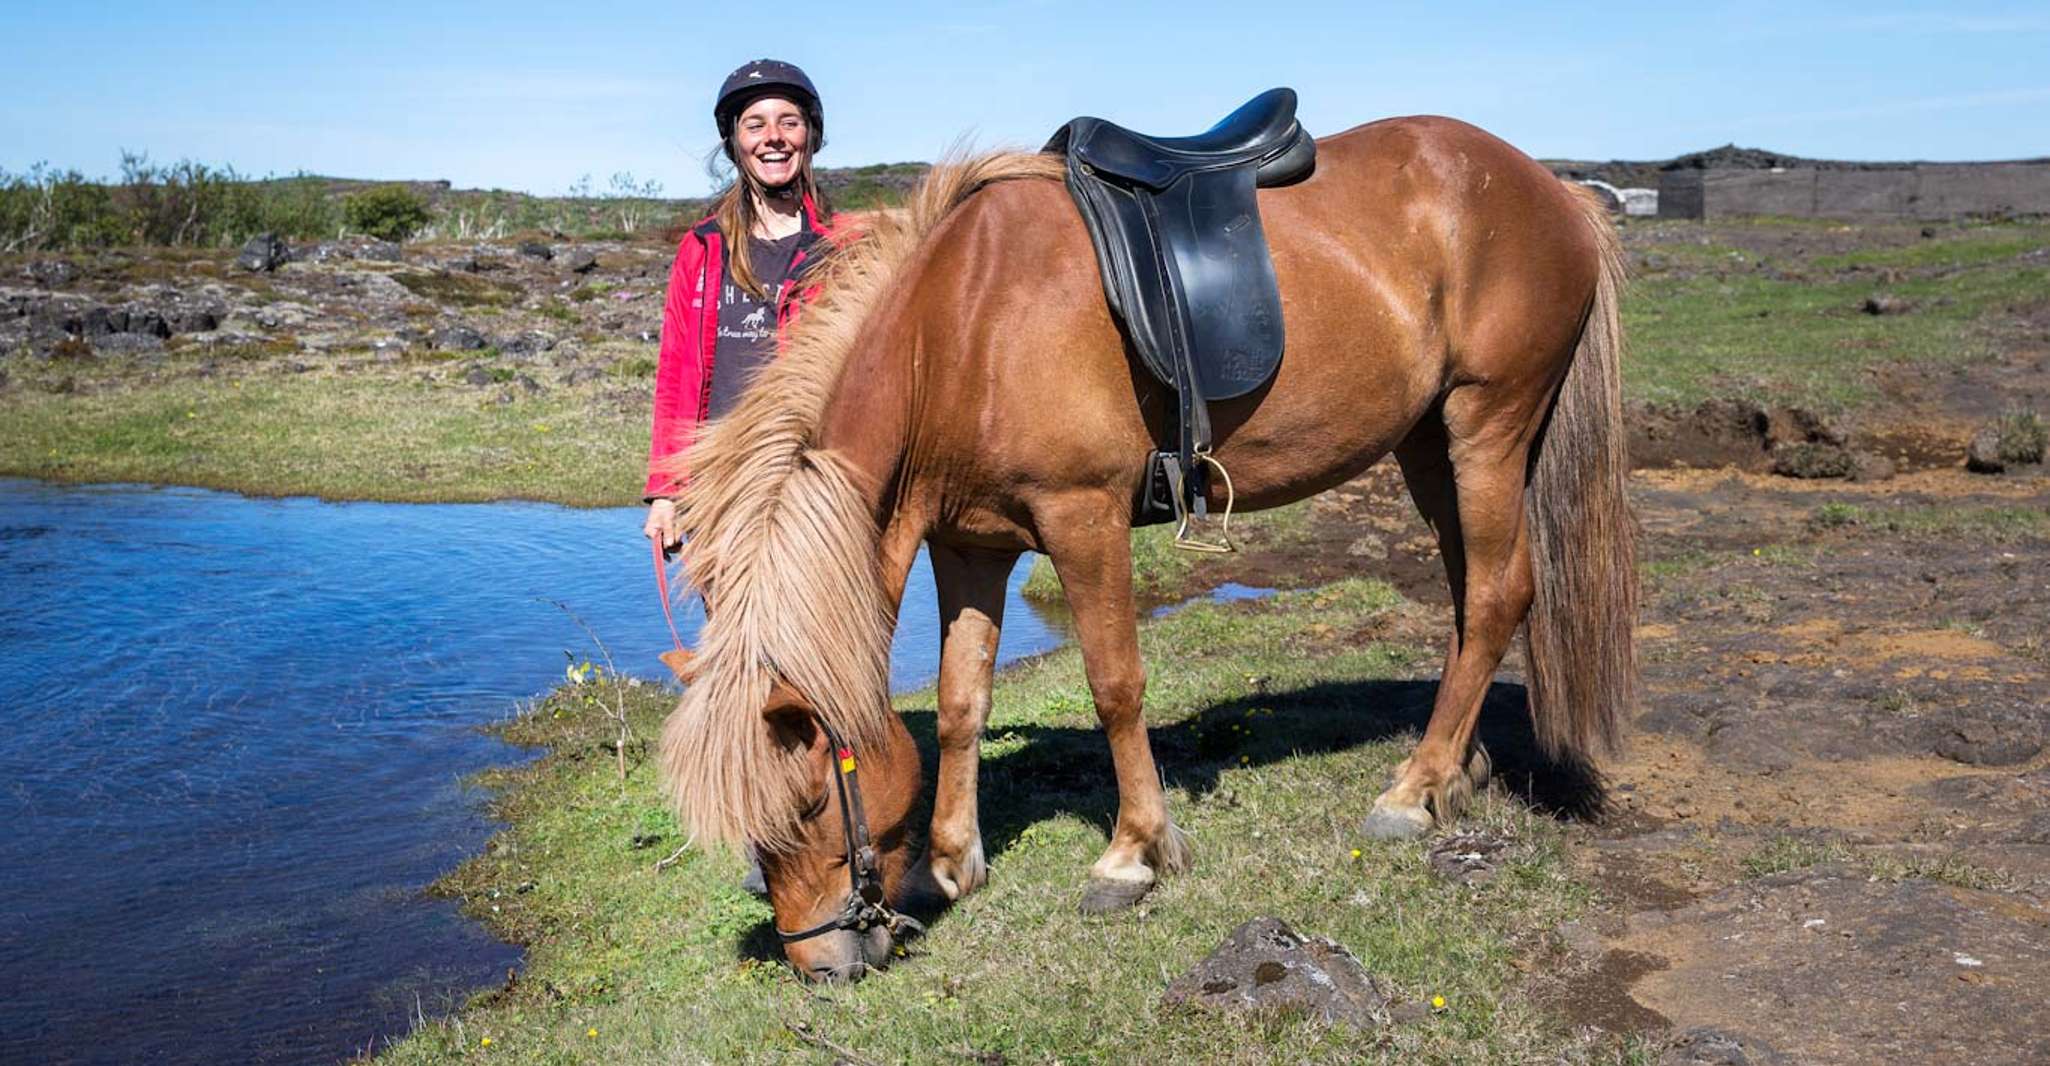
(51, 272)
(458, 337)
(1866, 466)
(1811, 460)
(380, 251)
(1266, 966)
(127, 343)
(536, 250)
(1467, 858)
(1883, 304)
(263, 253)
(580, 262)
(530, 342)
(527, 383)
(1982, 455)
(477, 376)
(1979, 744)
(1703, 1046)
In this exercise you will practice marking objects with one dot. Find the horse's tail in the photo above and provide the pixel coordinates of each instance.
(1583, 618)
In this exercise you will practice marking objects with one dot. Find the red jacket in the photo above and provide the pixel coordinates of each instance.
(690, 338)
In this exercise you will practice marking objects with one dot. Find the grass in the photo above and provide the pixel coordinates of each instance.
(1784, 854)
(1162, 571)
(1710, 323)
(375, 433)
(1997, 524)
(1273, 745)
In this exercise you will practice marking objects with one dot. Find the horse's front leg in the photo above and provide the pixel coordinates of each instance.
(971, 593)
(1090, 543)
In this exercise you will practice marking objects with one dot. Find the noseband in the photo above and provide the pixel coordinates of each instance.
(865, 908)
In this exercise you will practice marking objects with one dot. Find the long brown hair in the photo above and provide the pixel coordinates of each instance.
(736, 213)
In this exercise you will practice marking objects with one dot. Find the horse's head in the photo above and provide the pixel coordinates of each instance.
(836, 877)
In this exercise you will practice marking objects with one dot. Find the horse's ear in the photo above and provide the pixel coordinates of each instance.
(683, 664)
(789, 715)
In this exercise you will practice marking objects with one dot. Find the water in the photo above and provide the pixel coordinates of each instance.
(237, 735)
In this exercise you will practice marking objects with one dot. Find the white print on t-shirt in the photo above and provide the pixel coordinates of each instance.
(755, 318)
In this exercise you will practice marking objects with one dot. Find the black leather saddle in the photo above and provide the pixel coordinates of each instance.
(1176, 226)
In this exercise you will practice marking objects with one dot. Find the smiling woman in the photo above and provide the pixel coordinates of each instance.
(733, 287)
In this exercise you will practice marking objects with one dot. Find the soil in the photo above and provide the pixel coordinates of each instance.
(1827, 836)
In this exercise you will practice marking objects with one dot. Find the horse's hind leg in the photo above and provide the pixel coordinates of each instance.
(1094, 560)
(971, 594)
(1466, 473)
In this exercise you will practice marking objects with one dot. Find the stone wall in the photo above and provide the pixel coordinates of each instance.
(1918, 191)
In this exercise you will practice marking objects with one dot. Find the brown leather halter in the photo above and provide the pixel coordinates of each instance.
(865, 908)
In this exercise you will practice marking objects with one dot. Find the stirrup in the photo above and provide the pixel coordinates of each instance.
(1189, 532)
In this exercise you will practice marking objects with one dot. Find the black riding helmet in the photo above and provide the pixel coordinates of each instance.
(767, 77)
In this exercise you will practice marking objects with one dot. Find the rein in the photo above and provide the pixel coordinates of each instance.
(865, 908)
(662, 588)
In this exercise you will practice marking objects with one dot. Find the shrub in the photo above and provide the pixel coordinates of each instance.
(2023, 437)
(387, 212)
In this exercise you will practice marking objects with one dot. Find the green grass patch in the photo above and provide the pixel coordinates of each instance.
(1969, 247)
(1986, 523)
(461, 290)
(366, 434)
(1784, 854)
(1160, 570)
(627, 965)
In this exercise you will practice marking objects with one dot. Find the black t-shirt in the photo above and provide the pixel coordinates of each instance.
(747, 326)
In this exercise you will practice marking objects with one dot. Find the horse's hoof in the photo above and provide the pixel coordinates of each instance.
(1396, 823)
(1104, 896)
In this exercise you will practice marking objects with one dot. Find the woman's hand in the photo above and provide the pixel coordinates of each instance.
(662, 526)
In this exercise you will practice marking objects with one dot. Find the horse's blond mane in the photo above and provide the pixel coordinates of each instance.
(779, 538)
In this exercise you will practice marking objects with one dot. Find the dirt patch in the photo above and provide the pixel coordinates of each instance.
(1831, 966)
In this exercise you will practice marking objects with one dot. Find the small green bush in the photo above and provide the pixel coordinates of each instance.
(2023, 437)
(387, 212)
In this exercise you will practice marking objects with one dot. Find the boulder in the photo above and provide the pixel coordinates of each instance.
(536, 250)
(457, 337)
(1982, 455)
(1866, 466)
(263, 253)
(1266, 966)
(51, 272)
(1886, 304)
(380, 251)
(580, 262)
(1811, 460)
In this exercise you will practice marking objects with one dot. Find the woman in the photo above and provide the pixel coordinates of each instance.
(731, 288)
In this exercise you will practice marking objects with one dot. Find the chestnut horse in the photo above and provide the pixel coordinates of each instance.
(960, 383)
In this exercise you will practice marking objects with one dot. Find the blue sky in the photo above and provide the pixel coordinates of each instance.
(533, 95)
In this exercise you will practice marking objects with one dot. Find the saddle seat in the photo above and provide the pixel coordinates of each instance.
(1263, 131)
(1175, 222)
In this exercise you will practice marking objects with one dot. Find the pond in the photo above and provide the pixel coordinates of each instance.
(239, 734)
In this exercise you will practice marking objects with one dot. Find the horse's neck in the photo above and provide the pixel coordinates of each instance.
(867, 424)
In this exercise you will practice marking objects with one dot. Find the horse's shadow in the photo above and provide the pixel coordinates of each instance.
(1067, 769)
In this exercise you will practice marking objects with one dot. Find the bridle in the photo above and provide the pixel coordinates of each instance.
(865, 908)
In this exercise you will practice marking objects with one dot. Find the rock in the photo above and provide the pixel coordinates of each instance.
(1866, 466)
(580, 262)
(1704, 1046)
(1884, 304)
(477, 375)
(1977, 744)
(1799, 425)
(1928, 231)
(51, 272)
(582, 374)
(380, 251)
(1468, 858)
(530, 342)
(1266, 966)
(536, 250)
(458, 337)
(1982, 455)
(99, 321)
(127, 343)
(263, 253)
(527, 383)
(1811, 461)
